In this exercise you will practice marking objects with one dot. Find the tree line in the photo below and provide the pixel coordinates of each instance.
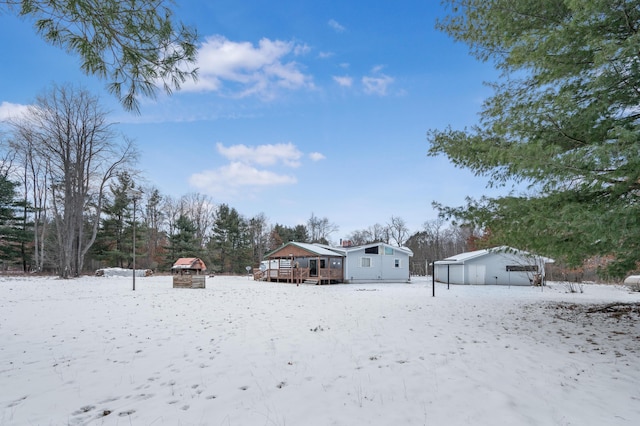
(563, 119)
(67, 189)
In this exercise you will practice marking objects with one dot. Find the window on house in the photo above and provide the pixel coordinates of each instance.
(323, 263)
(365, 262)
(388, 251)
(371, 250)
(397, 263)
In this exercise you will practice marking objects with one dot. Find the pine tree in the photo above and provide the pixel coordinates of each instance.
(183, 242)
(15, 230)
(563, 120)
(230, 245)
(135, 45)
(113, 243)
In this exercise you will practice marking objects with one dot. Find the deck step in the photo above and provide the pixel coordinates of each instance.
(311, 281)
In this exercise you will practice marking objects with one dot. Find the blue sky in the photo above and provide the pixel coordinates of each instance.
(301, 107)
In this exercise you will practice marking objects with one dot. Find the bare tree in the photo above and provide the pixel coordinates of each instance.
(320, 230)
(398, 230)
(172, 209)
(201, 210)
(259, 235)
(434, 237)
(360, 237)
(34, 178)
(153, 216)
(70, 134)
(379, 233)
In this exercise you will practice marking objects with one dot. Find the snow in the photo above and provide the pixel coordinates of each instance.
(240, 352)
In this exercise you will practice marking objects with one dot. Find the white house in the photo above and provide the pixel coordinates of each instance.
(377, 262)
(499, 265)
(321, 264)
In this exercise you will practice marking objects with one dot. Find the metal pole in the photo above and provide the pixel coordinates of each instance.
(433, 278)
(134, 244)
(448, 276)
(135, 194)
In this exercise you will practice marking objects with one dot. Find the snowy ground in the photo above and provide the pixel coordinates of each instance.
(91, 351)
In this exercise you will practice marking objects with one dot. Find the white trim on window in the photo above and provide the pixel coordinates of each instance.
(397, 263)
(366, 262)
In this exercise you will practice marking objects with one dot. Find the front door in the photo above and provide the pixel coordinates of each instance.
(313, 267)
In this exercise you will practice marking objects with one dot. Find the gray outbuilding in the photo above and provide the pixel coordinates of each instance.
(499, 266)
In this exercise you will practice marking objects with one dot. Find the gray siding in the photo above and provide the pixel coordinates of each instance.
(382, 267)
(491, 268)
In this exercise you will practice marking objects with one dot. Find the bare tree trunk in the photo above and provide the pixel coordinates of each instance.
(69, 132)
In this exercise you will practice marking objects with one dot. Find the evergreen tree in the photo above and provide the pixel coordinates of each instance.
(230, 244)
(113, 243)
(15, 230)
(134, 44)
(183, 242)
(564, 120)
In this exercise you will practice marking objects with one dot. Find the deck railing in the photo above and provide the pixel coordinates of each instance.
(298, 275)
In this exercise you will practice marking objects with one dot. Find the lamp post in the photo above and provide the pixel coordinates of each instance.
(135, 194)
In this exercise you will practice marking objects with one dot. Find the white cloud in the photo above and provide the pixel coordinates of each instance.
(237, 178)
(316, 156)
(251, 70)
(9, 110)
(301, 49)
(336, 26)
(325, 55)
(377, 85)
(250, 168)
(264, 155)
(344, 81)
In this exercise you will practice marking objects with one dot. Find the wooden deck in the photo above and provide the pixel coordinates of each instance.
(299, 276)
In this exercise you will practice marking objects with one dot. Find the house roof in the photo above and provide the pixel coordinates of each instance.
(314, 249)
(463, 257)
(325, 250)
(406, 250)
(189, 263)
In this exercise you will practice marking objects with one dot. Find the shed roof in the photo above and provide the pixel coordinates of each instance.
(463, 257)
(189, 263)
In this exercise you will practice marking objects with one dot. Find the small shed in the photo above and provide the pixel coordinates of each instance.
(189, 272)
(499, 265)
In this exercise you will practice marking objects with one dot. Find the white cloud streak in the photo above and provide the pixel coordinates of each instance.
(325, 55)
(344, 81)
(236, 178)
(263, 155)
(336, 26)
(316, 156)
(377, 85)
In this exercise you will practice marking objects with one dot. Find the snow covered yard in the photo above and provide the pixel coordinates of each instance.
(92, 351)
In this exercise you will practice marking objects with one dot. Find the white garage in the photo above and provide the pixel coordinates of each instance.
(497, 266)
